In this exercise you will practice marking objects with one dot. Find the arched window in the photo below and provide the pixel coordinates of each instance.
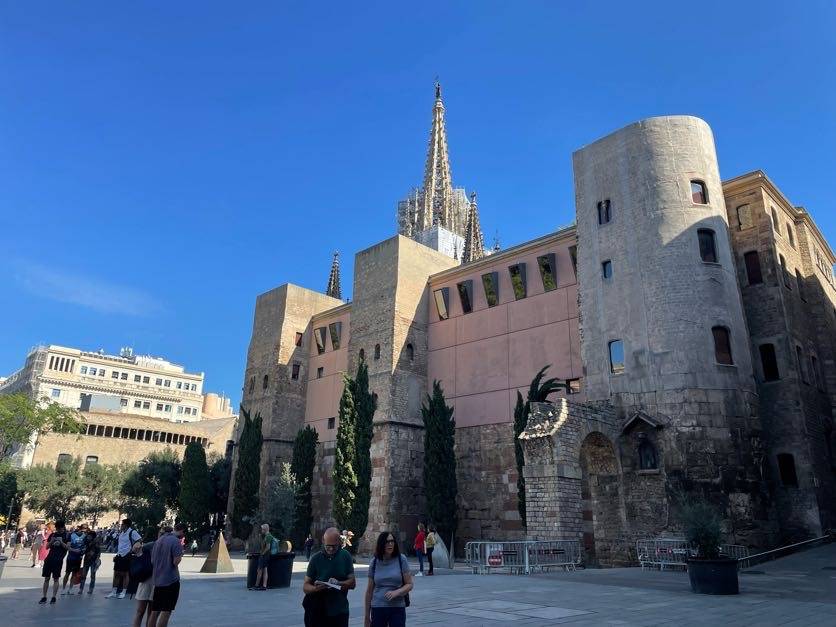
(362, 354)
(790, 235)
(264, 383)
(786, 469)
(410, 353)
(91, 460)
(64, 458)
(377, 351)
(722, 345)
(699, 194)
(708, 249)
(647, 456)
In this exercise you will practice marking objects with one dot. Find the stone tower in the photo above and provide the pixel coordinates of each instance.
(474, 241)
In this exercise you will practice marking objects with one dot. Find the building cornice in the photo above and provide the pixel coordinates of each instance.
(336, 311)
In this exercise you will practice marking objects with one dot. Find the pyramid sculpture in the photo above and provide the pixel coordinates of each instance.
(218, 559)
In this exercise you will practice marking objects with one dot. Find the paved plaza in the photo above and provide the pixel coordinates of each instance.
(797, 590)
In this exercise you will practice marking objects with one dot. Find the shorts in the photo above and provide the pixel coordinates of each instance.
(121, 563)
(165, 597)
(73, 566)
(145, 590)
(52, 569)
(263, 561)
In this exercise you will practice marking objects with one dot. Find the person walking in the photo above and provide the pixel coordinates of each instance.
(122, 560)
(429, 545)
(20, 538)
(165, 557)
(92, 561)
(44, 550)
(269, 546)
(329, 577)
(78, 546)
(193, 546)
(418, 545)
(58, 543)
(389, 584)
(309, 542)
(141, 584)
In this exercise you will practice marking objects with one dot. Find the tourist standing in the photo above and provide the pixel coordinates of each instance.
(418, 545)
(309, 542)
(389, 584)
(269, 547)
(20, 538)
(37, 543)
(44, 550)
(122, 560)
(429, 545)
(78, 546)
(92, 561)
(141, 584)
(58, 543)
(165, 556)
(326, 606)
(193, 547)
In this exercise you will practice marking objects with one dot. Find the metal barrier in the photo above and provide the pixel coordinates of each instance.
(674, 553)
(522, 557)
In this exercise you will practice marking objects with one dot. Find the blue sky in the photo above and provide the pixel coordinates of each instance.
(163, 163)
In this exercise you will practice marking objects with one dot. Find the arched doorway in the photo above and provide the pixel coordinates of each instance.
(600, 499)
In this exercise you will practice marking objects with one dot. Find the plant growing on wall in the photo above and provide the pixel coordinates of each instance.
(247, 475)
(538, 392)
(195, 490)
(345, 477)
(302, 467)
(364, 404)
(440, 485)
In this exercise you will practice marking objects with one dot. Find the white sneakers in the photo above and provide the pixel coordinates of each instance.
(111, 595)
(419, 574)
(121, 595)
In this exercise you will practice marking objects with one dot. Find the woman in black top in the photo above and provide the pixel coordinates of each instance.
(92, 561)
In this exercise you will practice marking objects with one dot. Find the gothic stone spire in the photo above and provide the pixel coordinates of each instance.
(334, 279)
(474, 242)
(438, 182)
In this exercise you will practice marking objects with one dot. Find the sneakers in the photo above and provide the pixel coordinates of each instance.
(90, 591)
(112, 594)
(42, 601)
(52, 601)
(419, 574)
(121, 595)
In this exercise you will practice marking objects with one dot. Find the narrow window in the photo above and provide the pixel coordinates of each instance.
(100, 430)
(362, 354)
(573, 255)
(722, 345)
(108, 432)
(298, 339)
(294, 371)
(331, 422)
(606, 269)
(790, 235)
(604, 212)
(442, 302)
(336, 330)
(769, 362)
(146, 405)
(376, 352)
(167, 383)
(138, 404)
(82, 370)
(616, 350)
(123, 402)
(123, 376)
(64, 458)
(159, 406)
(319, 336)
(708, 250)
(167, 408)
(465, 289)
(799, 356)
(137, 378)
(775, 224)
(518, 282)
(744, 217)
(264, 382)
(114, 374)
(93, 372)
(786, 468)
(800, 284)
(784, 272)
(647, 456)
(374, 399)
(56, 393)
(252, 383)
(410, 353)
(548, 271)
(51, 362)
(814, 369)
(699, 195)
(158, 382)
(320, 372)
(490, 282)
(753, 267)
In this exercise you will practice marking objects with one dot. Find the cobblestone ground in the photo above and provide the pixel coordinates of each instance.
(798, 590)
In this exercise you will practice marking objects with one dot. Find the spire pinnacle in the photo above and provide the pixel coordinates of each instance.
(437, 89)
(333, 289)
(438, 181)
(474, 241)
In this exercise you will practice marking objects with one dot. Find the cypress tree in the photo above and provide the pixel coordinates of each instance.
(302, 467)
(247, 475)
(195, 490)
(365, 407)
(345, 478)
(440, 463)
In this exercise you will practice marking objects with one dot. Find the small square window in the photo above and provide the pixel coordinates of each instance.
(56, 392)
(490, 282)
(616, 350)
(83, 370)
(699, 195)
(167, 383)
(158, 382)
(123, 376)
(159, 406)
(114, 374)
(299, 336)
(146, 379)
(138, 404)
(146, 405)
(606, 269)
(332, 422)
(168, 408)
(294, 371)
(92, 372)
(101, 372)
(123, 402)
(137, 378)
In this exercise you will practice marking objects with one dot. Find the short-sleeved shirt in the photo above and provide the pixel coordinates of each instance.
(388, 575)
(78, 541)
(166, 549)
(323, 568)
(418, 545)
(56, 550)
(267, 544)
(126, 541)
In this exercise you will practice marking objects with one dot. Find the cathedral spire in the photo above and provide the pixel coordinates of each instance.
(474, 241)
(334, 279)
(438, 182)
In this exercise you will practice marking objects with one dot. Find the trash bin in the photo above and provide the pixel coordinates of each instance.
(3, 559)
(252, 568)
(280, 570)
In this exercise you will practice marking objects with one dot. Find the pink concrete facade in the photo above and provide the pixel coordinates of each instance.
(325, 387)
(483, 357)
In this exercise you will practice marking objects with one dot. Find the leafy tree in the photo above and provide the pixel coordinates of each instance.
(247, 475)
(11, 497)
(345, 477)
(440, 463)
(538, 392)
(302, 467)
(152, 490)
(20, 417)
(195, 490)
(101, 490)
(54, 491)
(279, 505)
(220, 468)
(364, 404)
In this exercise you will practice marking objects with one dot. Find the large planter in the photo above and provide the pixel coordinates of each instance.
(713, 576)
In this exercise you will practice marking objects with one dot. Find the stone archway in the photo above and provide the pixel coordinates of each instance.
(601, 502)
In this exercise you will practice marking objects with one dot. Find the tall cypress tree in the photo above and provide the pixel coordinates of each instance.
(247, 475)
(440, 484)
(364, 405)
(302, 467)
(195, 490)
(345, 478)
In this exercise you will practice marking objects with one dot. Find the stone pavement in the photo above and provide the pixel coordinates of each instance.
(797, 590)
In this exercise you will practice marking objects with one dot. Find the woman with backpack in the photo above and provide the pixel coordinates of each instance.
(387, 595)
(140, 583)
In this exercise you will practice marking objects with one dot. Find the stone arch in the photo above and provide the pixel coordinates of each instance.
(601, 498)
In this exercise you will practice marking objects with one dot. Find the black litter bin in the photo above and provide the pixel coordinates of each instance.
(280, 570)
(252, 568)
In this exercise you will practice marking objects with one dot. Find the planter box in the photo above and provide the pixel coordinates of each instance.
(713, 576)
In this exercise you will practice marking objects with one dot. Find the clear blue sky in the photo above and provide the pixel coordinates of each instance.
(163, 163)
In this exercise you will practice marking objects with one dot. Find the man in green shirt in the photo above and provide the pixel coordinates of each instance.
(267, 541)
(326, 606)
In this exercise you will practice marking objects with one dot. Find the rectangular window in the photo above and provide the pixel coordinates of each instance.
(465, 289)
(158, 382)
(442, 302)
(722, 346)
(194, 387)
(790, 235)
(123, 402)
(336, 330)
(179, 385)
(92, 372)
(319, 335)
(786, 469)
(604, 212)
(699, 195)
(146, 405)
(775, 224)
(167, 408)
(606, 269)
(56, 392)
(294, 371)
(753, 267)
(573, 255)
(114, 374)
(64, 458)
(137, 378)
(146, 380)
(101, 372)
(744, 217)
(299, 337)
(180, 409)
(159, 406)
(518, 282)
(123, 376)
(490, 282)
(319, 372)
(83, 370)
(799, 355)
(769, 362)
(188, 411)
(332, 422)
(548, 271)
(167, 383)
(814, 369)
(138, 404)
(708, 250)
(616, 350)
